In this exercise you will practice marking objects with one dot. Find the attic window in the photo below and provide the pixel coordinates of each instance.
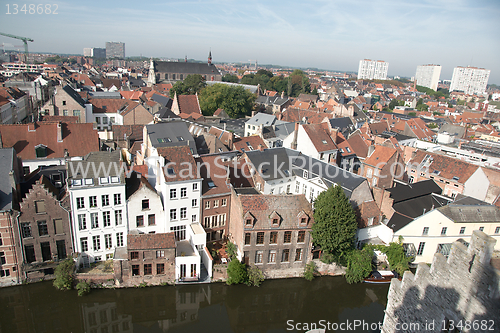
(163, 140)
(103, 180)
(115, 179)
(303, 220)
(324, 142)
(211, 184)
(170, 172)
(248, 222)
(455, 178)
(180, 138)
(89, 181)
(275, 221)
(77, 182)
(41, 151)
(347, 149)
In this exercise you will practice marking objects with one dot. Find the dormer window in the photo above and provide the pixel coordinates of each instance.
(103, 180)
(249, 220)
(89, 181)
(170, 172)
(275, 222)
(41, 151)
(303, 219)
(324, 142)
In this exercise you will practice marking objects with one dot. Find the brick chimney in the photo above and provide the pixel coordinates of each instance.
(230, 140)
(59, 132)
(295, 133)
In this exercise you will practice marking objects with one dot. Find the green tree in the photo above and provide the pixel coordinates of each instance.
(398, 260)
(64, 275)
(235, 100)
(314, 91)
(231, 250)
(393, 103)
(310, 271)
(413, 114)
(83, 288)
(191, 85)
(335, 225)
(255, 276)
(230, 78)
(236, 272)
(359, 265)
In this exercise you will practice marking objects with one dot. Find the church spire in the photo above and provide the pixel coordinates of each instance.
(151, 74)
(210, 57)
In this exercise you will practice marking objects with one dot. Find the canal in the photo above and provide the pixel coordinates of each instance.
(273, 307)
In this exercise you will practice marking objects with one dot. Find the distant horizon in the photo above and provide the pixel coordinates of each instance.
(315, 34)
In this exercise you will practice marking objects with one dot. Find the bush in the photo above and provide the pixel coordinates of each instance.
(327, 258)
(255, 276)
(310, 271)
(359, 265)
(231, 250)
(64, 275)
(236, 272)
(83, 288)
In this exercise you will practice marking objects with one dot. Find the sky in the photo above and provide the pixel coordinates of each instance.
(328, 34)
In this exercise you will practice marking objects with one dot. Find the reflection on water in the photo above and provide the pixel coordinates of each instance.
(190, 308)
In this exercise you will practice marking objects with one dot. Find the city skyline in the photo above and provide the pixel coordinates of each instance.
(321, 34)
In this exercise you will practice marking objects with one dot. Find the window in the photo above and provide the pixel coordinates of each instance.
(160, 268)
(119, 239)
(481, 228)
(206, 222)
(117, 198)
(184, 192)
(42, 228)
(41, 151)
(106, 217)
(2, 258)
(180, 232)
(303, 220)
(63, 102)
(216, 203)
(443, 231)
(222, 220)
(134, 255)
(112, 120)
(194, 202)
(286, 255)
(58, 226)
(195, 186)
(260, 238)
(93, 201)
(94, 220)
(258, 257)
(462, 230)
(151, 219)
(173, 214)
(96, 240)
(273, 238)
(26, 229)
(183, 212)
(107, 241)
(29, 251)
(248, 222)
(304, 189)
(288, 237)
(79, 203)
(275, 222)
(224, 203)
(118, 217)
(173, 193)
(298, 255)
(207, 204)
(193, 218)
(420, 248)
(135, 270)
(160, 254)
(247, 238)
(272, 257)
(425, 231)
(301, 237)
(497, 230)
(147, 269)
(139, 221)
(297, 187)
(97, 120)
(84, 244)
(104, 120)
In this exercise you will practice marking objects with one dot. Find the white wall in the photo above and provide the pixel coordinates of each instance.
(134, 207)
(477, 185)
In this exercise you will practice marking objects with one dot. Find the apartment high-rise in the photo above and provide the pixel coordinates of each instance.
(428, 76)
(99, 53)
(115, 50)
(470, 80)
(372, 69)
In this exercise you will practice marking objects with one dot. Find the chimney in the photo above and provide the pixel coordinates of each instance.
(260, 147)
(254, 113)
(59, 132)
(295, 132)
(230, 140)
(283, 94)
(1, 142)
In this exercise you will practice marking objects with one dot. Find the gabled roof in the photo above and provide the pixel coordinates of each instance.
(132, 132)
(261, 119)
(25, 137)
(378, 128)
(97, 164)
(185, 68)
(312, 117)
(320, 137)
(6, 166)
(402, 192)
(380, 156)
(358, 145)
(471, 213)
(120, 106)
(170, 134)
(151, 241)
(137, 181)
(179, 164)
(248, 143)
(188, 104)
(73, 94)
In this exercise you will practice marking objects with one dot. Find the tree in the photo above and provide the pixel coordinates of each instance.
(335, 225)
(359, 265)
(191, 85)
(255, 276)
(309, 271)
(230, 78)
(231, 250)
(236, 272)
(235, 100)
(393, 103)
(64, 275)
(413, 114)
(83, 288)
(398, 260)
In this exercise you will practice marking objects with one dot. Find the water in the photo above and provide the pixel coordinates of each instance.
(40, 308)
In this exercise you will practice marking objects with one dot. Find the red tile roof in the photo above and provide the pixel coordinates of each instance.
(151, 241)
(180, 161)
(248, 143)
(313, 117)
(358, 145)
(320, 137)
(380, 156)
(132, 95)
(188, 104)
(78, 139)
(108, 105)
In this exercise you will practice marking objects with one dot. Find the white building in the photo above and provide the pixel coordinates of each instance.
(428, 76)
(470, 80)
(96, 187)
(372, 69)
(260, 120)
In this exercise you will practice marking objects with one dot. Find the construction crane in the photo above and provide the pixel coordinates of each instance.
(25, 41)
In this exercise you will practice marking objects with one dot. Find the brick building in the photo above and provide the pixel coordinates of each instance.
(65, 102)
(272, 231)
(44, 229)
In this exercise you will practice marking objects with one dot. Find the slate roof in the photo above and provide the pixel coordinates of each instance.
(414, 190)
(343, 124)
(171, 134)
(471, 213)
(151, 241)
(71, 92)
(185, 68)
(295, 163)
(162, 100)
(283, 130)
(262, 119)
(288, 208)
(25, 137)
(6, 165)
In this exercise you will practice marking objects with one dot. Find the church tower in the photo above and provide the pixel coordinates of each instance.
(151, 74)
(210, 57)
